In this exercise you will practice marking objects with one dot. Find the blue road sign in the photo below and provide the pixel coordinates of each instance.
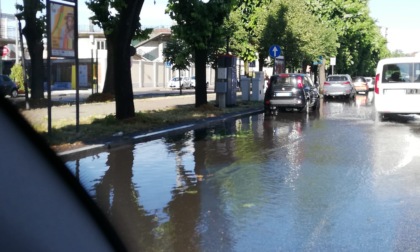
(274, 51)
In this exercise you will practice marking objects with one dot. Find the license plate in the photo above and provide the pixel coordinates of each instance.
(413, 91)
(395, 91)
(283, 94)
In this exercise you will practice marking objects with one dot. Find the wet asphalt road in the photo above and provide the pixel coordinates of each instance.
(336, 180)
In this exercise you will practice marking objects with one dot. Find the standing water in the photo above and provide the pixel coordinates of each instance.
(294, 182)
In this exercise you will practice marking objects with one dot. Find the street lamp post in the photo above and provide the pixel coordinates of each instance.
(19, 17)
(92, 41)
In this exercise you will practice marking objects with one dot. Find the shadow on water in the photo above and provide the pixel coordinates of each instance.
(116, 196)
(191, 218)
(400, 118)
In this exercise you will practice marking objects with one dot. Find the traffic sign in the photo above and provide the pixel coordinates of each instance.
(274, 51)
(5, 51)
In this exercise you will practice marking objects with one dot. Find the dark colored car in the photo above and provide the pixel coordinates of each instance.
(291, 91)
(8, 87)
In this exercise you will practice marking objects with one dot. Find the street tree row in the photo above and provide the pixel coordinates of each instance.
(304, 29)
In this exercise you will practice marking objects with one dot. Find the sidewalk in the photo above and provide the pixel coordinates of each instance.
(86, 110)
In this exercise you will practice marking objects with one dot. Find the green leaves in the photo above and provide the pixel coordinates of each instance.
(360, 45)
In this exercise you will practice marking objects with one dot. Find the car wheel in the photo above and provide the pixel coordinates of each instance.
(14, 93)
(305, 108)
(316, 105)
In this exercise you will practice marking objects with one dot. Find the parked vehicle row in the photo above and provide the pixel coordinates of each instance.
(342, 85)
(297, 92)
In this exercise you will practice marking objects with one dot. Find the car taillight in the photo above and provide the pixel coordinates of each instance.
(327, 83)
(376, 83)
(346, 83)
(299, 84)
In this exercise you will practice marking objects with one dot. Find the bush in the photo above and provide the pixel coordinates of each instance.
(17, 76)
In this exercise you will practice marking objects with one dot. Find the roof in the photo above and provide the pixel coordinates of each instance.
(160, 34)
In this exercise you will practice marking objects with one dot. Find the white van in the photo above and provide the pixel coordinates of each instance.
(397, 86)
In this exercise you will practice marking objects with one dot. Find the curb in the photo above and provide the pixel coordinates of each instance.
(144, 137)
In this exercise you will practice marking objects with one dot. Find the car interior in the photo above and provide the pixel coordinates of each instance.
(44, 208)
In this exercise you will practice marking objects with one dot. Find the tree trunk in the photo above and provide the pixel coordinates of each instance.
(261, 61)
(110, 71)
(200, 77)
(122, 81)
(118, 75)
(33, 36)
(246, 68)
(37, 70)
(120, 68)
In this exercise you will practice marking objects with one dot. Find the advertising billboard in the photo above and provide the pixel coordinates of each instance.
(62, 30)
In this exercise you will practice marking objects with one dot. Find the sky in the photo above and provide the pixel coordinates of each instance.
(399, 19)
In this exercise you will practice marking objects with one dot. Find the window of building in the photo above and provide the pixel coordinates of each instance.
(101, 44)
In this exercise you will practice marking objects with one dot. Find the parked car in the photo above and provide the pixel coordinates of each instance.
(360, 84)
(339, 85)
(192, 82)
(291, 91)
(175, 82)
(370, 82)
(188, 82)
(8, 87)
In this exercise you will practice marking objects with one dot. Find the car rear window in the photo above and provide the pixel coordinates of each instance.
(284, 81)
(361, 79)
(336, 78)
(401, 72)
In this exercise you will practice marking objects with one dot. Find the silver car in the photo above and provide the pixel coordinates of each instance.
(339, 85)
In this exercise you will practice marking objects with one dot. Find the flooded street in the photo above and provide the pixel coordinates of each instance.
(337, 180)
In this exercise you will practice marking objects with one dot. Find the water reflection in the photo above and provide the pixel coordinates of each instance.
(290, 182)
(115, 193)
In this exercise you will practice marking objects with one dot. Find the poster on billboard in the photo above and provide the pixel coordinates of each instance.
(62, 32)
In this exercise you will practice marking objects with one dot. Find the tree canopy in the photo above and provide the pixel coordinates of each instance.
(198, 24)
(360, 44)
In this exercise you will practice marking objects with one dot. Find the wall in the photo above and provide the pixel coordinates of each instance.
(151, 74)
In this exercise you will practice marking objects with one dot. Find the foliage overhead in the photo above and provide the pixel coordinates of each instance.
(199, 24)
(107, 15)
(360, 43)
(241, 27)
(178, 54)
